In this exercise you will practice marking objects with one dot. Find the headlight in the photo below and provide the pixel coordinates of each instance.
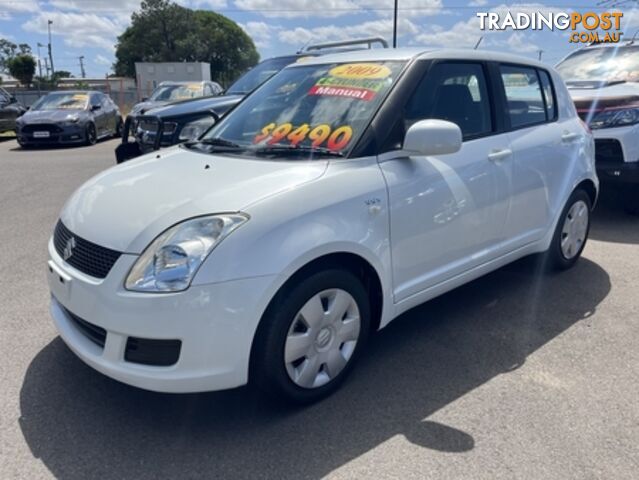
(618, 117)
(195, 129)
(171, 261)
(70, 120)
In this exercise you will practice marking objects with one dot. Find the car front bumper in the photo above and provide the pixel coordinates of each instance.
(617, 154)
(214, 324)
(62, 136)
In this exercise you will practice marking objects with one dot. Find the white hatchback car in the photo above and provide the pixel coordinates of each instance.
(343, 192)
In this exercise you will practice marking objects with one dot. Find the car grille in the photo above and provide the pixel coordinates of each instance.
(94, 333)
(87, 257)
(41, 127)
(608, 151)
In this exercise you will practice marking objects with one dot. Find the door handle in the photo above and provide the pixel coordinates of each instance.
(569, 137)
(498, 155)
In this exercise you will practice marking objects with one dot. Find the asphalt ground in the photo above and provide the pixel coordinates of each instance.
(518, 375)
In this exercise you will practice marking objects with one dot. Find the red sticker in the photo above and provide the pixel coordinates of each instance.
(350, 92)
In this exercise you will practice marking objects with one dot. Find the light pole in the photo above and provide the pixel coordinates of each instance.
(49, 22)
(395, 24)
(39, 60)
(81, 58)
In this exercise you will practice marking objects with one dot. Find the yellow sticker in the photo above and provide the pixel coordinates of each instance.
(80, 96)
(358, 71)
(304, 59)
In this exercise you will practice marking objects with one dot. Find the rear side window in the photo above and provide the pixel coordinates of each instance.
(455, 92)
(549, 95)
(525, 101)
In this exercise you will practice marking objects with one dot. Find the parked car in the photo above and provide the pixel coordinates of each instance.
(183, 121)
(603, 80)
(10, 110)
(167, 92)
(69, 117)
(343, 192)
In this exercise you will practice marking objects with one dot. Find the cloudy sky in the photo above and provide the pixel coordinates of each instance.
(90, 27)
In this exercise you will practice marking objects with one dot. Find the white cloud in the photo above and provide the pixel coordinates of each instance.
(102, 60)
(465, 34)
(20, 6)
(478, 3)
(383, 27)
(78, 29)
(336, 8)
(261, 33)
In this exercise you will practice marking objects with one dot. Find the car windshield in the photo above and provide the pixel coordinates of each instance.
(165, 93)
(604, 63)
(306, 111)
(259, 74)
(62, 101)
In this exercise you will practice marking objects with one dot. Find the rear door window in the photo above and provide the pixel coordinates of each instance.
(525, 101)
(549, 95)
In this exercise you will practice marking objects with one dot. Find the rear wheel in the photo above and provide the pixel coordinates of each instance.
(310, 337)
(571, 233)
(91, 136)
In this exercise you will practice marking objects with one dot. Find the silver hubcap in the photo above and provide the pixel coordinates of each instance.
(322, 338)
(573, 233)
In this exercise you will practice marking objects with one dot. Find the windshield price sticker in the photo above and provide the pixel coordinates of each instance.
(323, 134)
(361, 71)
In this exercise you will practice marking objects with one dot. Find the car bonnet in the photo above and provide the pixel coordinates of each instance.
(126, 207)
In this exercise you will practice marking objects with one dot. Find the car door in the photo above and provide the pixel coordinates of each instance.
(109, 110)
(447, 212)
(543, 148)
(99, 117)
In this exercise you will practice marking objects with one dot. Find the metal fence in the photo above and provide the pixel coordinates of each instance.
(124, 99)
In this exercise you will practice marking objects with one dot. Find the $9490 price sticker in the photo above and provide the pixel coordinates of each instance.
(321, 135)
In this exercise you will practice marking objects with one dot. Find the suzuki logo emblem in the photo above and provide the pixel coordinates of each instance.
(68, 248)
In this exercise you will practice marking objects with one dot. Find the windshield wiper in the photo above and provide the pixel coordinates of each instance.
(293, 150)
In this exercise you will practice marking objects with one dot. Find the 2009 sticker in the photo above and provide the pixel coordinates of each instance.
(361, 71)
(335, 139)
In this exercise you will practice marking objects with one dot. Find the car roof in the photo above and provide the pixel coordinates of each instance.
(74, 92)
(405, 54)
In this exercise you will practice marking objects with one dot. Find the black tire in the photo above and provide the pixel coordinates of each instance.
(268, 367)
(555, 258)
(90, 135)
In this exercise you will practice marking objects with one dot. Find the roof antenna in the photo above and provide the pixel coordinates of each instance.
(304, 46)
(632, 40)
(478, 42)
(540, 52)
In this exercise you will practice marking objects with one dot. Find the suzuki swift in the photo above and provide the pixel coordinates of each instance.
(344, 191)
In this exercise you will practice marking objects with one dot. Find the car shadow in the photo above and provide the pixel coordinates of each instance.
(610, 223)
(49, 146)
(81, 424)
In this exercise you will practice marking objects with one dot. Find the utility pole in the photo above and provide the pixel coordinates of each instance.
(49, 22)
(39, 60)
(46, 65)
(395, 24)
(81, 58)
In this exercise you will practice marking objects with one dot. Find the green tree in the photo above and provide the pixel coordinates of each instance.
(62, 74)
(22, 67)
(163, 31)
(8, 50)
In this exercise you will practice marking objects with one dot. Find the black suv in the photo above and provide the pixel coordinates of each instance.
(187, 120)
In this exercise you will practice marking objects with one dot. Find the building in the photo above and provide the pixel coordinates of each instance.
(150, 74)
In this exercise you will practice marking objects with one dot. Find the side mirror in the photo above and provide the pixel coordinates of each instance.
(144, 99)
(13, 99)
(433, 137)
(95, 107)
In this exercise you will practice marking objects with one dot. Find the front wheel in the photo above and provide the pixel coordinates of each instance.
(91, 136)
(310, 337)
(571, 232)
